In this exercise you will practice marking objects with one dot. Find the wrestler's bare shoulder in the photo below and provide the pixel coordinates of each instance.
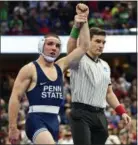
(28, 69)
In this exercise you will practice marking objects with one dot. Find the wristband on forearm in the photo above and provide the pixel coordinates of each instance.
(120, 109)
(75, 32)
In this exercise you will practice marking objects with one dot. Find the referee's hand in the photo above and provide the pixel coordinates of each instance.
(126, 119)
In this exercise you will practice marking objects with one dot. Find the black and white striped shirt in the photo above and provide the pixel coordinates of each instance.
(89, 81)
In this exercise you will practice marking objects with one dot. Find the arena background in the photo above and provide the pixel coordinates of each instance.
(34, 18)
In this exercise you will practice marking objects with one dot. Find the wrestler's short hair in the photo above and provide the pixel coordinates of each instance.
(51, 34)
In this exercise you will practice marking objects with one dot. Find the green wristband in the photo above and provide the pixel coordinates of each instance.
(75, 32)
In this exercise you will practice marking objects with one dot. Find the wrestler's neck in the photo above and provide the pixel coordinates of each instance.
(45, 63)
(95, 57)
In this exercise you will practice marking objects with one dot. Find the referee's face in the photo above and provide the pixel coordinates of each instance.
(97, 45)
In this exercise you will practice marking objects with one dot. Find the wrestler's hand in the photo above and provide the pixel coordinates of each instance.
(126, 119)
(79, 20)
(82, 9)
(14, 135)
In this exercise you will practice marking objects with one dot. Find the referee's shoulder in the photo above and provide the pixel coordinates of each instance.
(104, 62)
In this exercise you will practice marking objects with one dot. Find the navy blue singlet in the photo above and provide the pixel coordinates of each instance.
(44, 101)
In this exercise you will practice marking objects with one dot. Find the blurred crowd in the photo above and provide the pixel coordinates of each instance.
(40, 17)
(124, 86)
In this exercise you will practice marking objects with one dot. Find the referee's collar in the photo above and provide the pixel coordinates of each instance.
(95, 60)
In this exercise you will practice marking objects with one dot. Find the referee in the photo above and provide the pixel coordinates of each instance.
(91, 88)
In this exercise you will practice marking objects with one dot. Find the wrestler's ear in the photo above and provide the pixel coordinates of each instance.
(41, 45)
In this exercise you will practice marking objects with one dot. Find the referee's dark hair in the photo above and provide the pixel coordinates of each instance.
(96, 31)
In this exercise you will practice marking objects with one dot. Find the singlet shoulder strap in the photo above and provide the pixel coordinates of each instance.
(58, 69)
(38, 71)
(36, 64)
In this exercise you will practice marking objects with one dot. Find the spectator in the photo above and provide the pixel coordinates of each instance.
(106, 14)
(115, 17)
(133, 108)
(32, 21)
(32, 4)
(43, 5)
(115, 9)
(4, 11)
(19, 9)
(96, 20)
(43, 22)
(93, 5)
(67, 139)
(16, 25)
(4, 28)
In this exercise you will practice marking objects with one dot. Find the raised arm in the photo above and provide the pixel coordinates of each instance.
(20, 86)
(72, 42)
(77, 53)
(82, 10)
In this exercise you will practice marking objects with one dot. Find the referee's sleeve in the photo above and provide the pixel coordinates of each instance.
(110, 83)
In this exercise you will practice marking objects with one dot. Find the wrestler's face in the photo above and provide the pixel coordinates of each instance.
(52, 46)
(97, 45)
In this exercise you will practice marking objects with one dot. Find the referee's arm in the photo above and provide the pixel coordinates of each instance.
(111, 98)
(114, 103)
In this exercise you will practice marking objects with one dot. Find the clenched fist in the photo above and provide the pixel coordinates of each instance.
(14, 135)
(82, 9)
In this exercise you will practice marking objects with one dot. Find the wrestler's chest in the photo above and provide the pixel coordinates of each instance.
(51, 74)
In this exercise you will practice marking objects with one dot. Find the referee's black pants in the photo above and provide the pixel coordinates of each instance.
(88, 125)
